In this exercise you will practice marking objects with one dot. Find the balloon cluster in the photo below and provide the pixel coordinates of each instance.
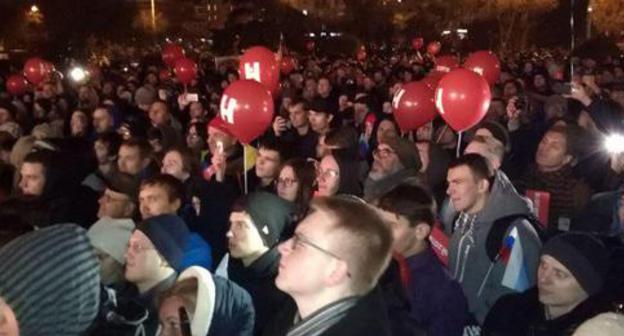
(460, 95)
(36, 70)
(185, 69)
(247, 105)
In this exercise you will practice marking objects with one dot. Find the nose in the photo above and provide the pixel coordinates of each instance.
(284, 247)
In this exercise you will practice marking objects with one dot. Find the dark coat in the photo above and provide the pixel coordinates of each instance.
(437, 301)
(367, 318)
(523, 314)
(233, 311)
(259, 280)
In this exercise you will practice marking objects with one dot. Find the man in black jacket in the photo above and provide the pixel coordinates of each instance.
(342, 247)
(257, 222)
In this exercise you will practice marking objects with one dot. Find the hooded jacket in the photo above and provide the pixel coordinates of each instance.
(51, 280)
(469, 263)
(222, 309)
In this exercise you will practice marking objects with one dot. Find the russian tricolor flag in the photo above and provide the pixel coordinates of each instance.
(512, 255)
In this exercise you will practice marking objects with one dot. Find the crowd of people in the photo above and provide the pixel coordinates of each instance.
(127, 207)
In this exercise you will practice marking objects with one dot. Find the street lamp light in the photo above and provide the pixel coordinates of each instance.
(153, 4)
(589, 21)
(34, 9)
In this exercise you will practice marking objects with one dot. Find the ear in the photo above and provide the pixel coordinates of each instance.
(129, 210)
(176, 205)
(339, 273)
(483, 186)
(422, 231)
(330, 117)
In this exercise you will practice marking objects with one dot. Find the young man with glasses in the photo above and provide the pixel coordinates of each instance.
(153, 259)
(395, 160)
(342, 246)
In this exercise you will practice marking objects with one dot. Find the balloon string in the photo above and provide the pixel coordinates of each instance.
(572, 34)
(245, 168)
(442, 134)
(459, 139)
(185, 89)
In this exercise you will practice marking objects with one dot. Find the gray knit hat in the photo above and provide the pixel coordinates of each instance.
(51, 280)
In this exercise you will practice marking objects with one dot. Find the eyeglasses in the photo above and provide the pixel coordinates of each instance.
(325, 174)
(286, 182)
(137, 248)
(383, 153)
(298, 240)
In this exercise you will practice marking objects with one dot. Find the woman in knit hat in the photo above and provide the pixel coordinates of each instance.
(570, 277)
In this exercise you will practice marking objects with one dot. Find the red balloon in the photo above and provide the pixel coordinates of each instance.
(446, 63)
(185, 70)
(16, 85)
(164, 75)
(260, 64)
(417, 43)
(287, 65)
(486, 64)
(462, 98)
(432, 79)
(171, 53)
(433, 48)
(413, 105)
(247, 109)
(36, 70)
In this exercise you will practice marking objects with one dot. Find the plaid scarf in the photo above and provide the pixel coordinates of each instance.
(323, 319)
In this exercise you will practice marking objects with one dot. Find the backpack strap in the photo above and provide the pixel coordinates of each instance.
(496, 236)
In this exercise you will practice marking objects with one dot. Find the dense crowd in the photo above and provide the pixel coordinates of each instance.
(125, 207)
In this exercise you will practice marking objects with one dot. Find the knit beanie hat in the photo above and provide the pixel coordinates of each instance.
(219, 124)
(406, 150)
(169, 234)
(270, 214)
(51, 280)
(605, 324)
(144, 96)
(498, 131)
(111, 236)
(124, 184)
(583, 255)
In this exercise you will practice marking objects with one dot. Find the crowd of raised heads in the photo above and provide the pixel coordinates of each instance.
(129, 207)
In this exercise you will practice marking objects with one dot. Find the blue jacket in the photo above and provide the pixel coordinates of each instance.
(198, 253)
(438, 304)
(233, 311)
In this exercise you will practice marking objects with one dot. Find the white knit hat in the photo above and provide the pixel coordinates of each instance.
(111, 236)
(606, 324)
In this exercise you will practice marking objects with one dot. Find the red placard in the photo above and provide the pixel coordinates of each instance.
(541, 204)
(439, 243)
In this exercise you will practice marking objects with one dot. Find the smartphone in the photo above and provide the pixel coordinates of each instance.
(220, 147)
(192, 97)
(185, 323)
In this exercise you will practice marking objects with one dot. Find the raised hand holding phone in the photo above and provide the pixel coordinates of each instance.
(219, 161)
